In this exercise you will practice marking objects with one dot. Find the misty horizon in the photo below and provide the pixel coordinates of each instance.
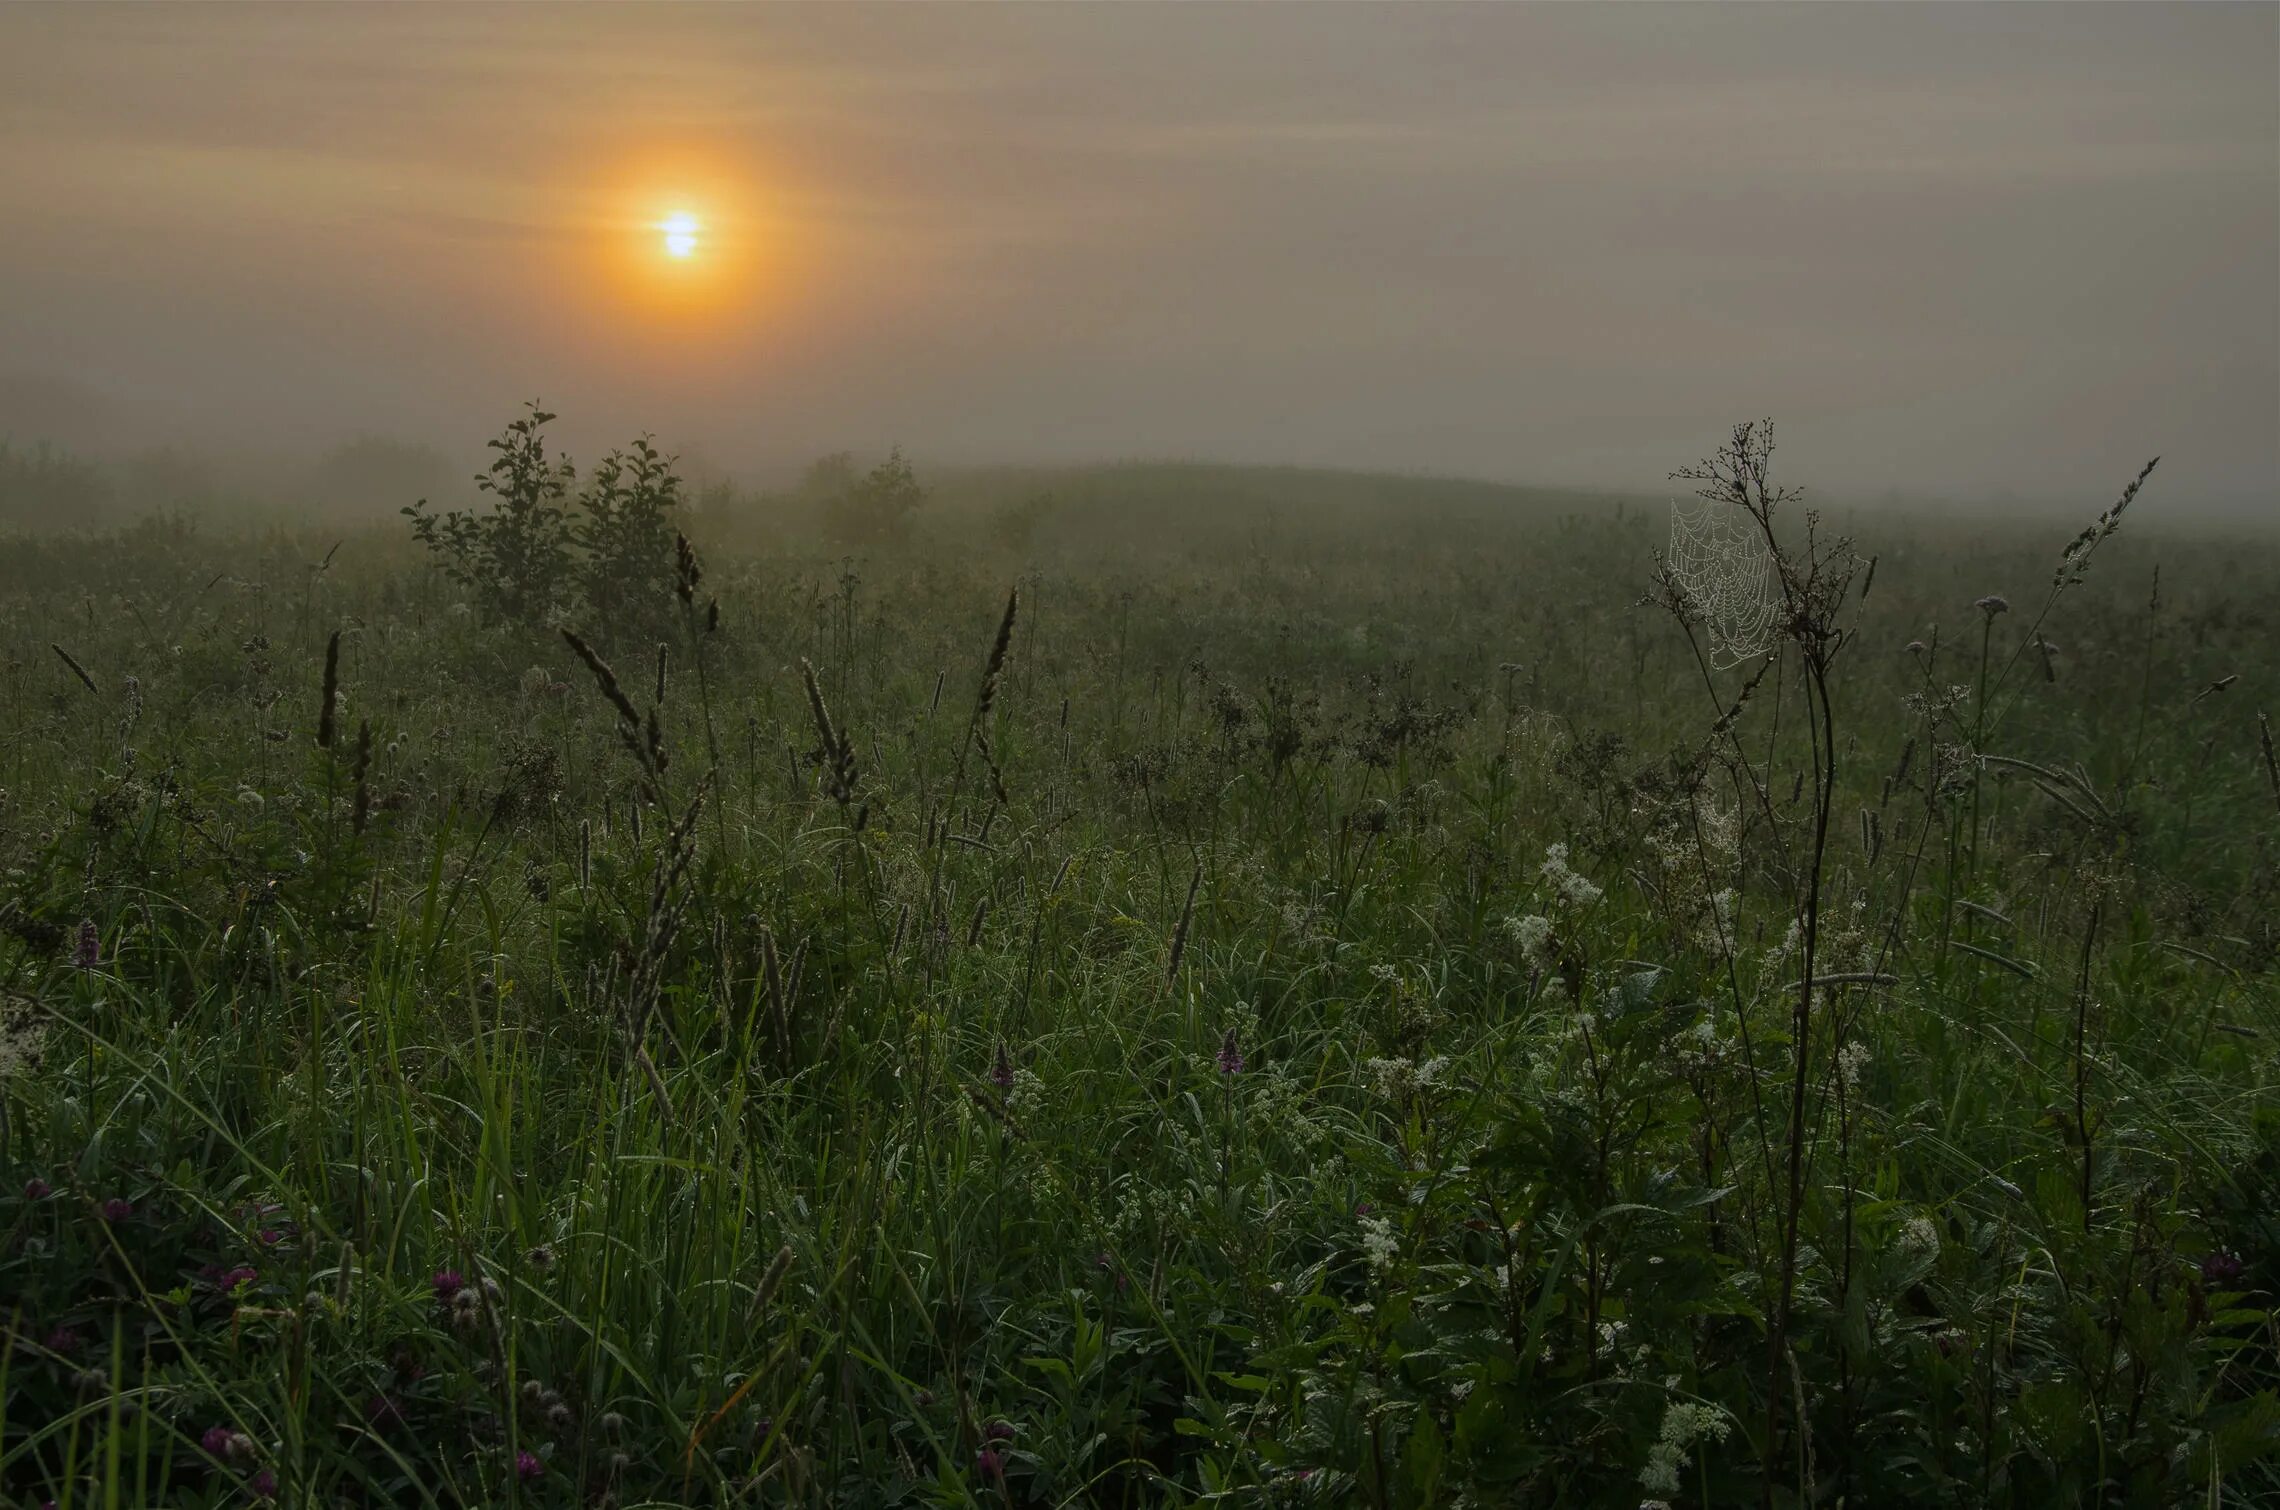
(1955, 253)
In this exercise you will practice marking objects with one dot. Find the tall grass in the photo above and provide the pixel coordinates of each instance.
(1345, 1023)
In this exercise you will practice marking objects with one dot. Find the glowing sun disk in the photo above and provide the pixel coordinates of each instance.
(680, 234)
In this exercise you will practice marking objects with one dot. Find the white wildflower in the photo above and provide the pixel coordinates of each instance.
(1377, 1242)
(1851, 1060)
(1397, 1078)
(1532, 933)
(1573, 888)
(1683, 1425)
(1025, 1094)
(1790, 943)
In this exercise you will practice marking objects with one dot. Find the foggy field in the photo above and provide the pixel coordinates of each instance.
(1303, 1011)
(1085, 757)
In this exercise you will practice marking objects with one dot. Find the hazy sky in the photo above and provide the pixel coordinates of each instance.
(1952, 248)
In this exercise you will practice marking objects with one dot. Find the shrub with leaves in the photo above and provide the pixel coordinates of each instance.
(605, 556)
(517, 557)
(625, 538)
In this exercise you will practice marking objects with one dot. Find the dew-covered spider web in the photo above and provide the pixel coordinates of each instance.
(1718, 558)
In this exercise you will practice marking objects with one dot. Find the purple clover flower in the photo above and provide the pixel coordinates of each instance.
(528, 1465)
(448, 1282)
(117, 1209)
(37, 1189)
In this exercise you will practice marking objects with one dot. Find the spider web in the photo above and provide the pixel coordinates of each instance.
(1719, 560)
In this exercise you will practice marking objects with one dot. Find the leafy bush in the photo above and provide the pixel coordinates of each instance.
(607, 555)
(625, 543)
(515, 558)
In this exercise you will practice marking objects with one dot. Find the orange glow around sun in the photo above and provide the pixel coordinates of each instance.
(682, 253)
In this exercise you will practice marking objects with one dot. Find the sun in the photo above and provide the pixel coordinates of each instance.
(681, 230)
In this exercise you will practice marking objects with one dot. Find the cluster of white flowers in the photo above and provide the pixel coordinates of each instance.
(1378, 1244)
(1400, 1078)
(1790, 943)
(1933, 703)
(1956, 765)
(1702, 1046)
(1142, 1211)
(1281, 1108)
(1846, 940)
(1026, 1094)
(1307, 925)
(1851, 1060)
(1533, 934)
(1683, 1425)
(1695, 841)
(1574, 889)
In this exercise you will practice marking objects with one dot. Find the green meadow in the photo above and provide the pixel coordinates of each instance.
(1139, 986)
